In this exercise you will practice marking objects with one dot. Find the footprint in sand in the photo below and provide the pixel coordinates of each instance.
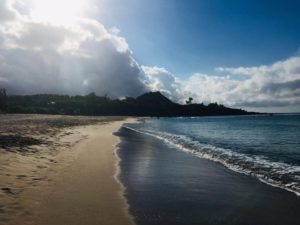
(21, 176)
(7, 190)
(41, 167)
(2, 210)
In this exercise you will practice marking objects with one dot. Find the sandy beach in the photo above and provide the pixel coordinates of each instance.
(60, 170)
(165, 185)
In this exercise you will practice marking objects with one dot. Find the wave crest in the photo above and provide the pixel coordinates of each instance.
(278, 174)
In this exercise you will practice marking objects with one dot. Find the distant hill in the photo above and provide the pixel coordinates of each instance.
(156, 97)
(148, 104)
(156, 104)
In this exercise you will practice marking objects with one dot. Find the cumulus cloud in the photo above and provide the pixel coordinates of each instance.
(77, 58)
(115, 30)
(264, 88)
(159, 79)
(6, 11)
(286, 69)
(37, 56)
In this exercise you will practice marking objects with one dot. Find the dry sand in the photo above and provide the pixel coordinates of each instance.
(60, 170)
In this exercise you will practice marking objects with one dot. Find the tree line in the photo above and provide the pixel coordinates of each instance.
(148, 104)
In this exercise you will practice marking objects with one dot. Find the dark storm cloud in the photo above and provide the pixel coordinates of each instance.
(40, 57)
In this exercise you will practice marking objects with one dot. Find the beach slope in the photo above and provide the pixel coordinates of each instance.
(78, 187)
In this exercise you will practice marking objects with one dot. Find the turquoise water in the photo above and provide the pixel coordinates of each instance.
(266, 147)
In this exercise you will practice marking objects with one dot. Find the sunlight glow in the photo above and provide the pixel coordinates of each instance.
(59, 12)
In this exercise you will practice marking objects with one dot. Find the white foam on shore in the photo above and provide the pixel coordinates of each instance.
(277, 174)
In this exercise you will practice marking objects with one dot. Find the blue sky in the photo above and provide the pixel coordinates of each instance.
(189, 36)
(240, 53)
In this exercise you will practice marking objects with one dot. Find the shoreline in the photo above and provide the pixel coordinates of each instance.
(80, 187)
(167, 186)
(117, 173)
(227, 165)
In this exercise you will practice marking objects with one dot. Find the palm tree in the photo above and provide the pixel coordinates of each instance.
(189, 101)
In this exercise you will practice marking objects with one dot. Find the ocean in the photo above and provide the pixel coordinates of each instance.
(212, 170)
(266, 147)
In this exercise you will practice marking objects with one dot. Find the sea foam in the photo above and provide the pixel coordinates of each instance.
(278, 174)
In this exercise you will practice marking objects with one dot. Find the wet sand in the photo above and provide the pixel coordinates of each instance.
(165, 185)
(65, 176)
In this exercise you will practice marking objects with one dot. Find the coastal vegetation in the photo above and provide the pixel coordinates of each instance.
(148, 104)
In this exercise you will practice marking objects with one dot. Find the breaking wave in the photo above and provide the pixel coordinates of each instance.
(278, 174)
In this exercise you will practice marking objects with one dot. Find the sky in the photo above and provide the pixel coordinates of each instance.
(189, 36)
(240, 53)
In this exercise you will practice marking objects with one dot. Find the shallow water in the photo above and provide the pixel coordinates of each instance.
(166, 186)
(266, 147)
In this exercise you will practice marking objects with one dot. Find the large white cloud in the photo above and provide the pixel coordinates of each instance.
(77, 58)
(37, 56)
(273, 87)
(159, 79)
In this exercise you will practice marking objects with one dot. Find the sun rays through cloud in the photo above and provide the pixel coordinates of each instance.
(56, 11)
(56, 46)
